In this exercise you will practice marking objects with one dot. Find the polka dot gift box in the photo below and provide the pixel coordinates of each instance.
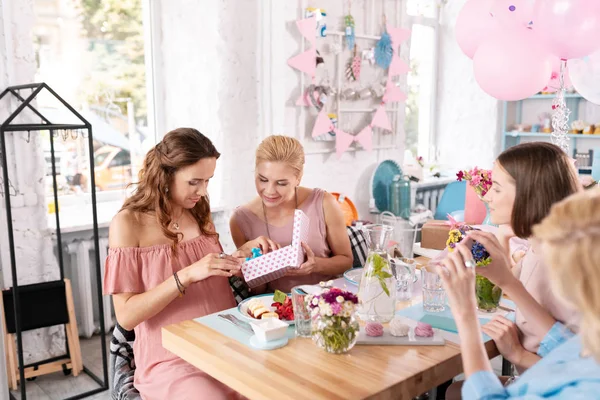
(273, 265)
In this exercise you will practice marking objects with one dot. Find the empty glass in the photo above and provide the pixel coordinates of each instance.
(301, 312)
(404, 271)
(434, 296)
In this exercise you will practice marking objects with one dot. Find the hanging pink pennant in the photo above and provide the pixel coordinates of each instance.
(380, 119)
(307, 28)
(393, 93)
(305, 62)
(397, 67)
(322, 125)
(365, 138)
(398, 35)
(343, 141)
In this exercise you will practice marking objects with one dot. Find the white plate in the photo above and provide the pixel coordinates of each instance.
(266, 299)
(354, 276)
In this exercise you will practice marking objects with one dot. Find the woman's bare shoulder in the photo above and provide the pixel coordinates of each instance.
(124, 229)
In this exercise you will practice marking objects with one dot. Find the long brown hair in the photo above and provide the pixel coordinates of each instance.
(543, 175)
(178, 149)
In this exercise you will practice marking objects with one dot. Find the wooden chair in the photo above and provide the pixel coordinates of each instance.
(41, 305)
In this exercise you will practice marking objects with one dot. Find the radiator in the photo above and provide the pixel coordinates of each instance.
(80, 267)
(430, 196)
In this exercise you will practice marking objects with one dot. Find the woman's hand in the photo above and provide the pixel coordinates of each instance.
(459, 282)
(504, 333)
(265, 244)
(309, 264)
(211, 265)
(499, 270)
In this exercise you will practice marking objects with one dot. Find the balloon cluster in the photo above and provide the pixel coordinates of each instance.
(521, 47)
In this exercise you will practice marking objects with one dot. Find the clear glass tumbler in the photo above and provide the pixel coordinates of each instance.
(301, 312)
(434, 296)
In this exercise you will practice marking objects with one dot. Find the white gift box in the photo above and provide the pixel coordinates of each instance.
(274, 265)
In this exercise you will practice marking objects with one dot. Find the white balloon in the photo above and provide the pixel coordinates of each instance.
(585, 76)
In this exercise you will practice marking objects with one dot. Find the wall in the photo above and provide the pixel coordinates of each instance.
(228, 76)
(35, 260)
(468, 131)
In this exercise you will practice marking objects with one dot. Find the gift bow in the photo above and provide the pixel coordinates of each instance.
(454, 224)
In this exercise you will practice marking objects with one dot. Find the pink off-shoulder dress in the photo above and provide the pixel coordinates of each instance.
(159, 373)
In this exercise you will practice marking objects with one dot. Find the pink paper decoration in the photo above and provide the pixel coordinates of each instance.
(307, 27)
(393, 93)
(397, 67)
(305, 62)
(380, 119)
(398, 35)
(274, 265)
(303, 100)
(322, 125)
(343, 140)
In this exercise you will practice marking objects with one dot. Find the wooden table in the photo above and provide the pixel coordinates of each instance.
(302, 370)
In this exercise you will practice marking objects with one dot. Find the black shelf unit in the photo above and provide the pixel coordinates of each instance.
(32, 91)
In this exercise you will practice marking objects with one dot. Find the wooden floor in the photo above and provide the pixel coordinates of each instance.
(57, 386)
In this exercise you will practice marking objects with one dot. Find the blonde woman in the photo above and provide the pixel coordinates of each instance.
(279, 168)
(569, 239)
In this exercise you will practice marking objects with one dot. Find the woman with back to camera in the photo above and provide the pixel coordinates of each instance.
(279, 169)
(166, 265)
(569, 242)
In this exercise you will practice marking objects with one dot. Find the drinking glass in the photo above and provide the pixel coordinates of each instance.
(404, 271)
(434, 296)
(301, 312)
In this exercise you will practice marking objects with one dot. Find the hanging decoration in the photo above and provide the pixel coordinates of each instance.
(560, 115)
(353, 68)
(306, 61)
(384, 49)
(350, 38)
(385, 54)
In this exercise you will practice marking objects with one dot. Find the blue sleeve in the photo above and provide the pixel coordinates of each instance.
(483, 385)
(556, 336)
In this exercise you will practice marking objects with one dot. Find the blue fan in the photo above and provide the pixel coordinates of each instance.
(380, 183)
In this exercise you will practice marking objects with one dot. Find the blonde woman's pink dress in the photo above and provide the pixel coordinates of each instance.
(159, 373)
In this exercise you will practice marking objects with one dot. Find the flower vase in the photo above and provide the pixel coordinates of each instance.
(488, 218)
(475, 210)
(336, 334)
(488, 294)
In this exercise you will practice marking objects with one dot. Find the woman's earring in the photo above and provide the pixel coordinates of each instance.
(167, 191)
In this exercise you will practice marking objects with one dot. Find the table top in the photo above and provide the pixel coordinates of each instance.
(302, 370)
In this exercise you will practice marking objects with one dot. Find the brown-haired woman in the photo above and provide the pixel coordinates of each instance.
(166, 265)
(527, 180)
(279, 168)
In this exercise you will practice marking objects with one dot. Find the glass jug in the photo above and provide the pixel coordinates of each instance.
(376, 292)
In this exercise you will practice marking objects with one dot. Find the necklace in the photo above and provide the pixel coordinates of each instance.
(265, 211)
(176, 223)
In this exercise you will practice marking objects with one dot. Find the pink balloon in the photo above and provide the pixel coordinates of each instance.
(511, 65)
(473, 25)
(570, 28)
(554, 82)
(510, 13)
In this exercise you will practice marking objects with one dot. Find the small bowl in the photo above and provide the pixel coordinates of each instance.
(269, 329)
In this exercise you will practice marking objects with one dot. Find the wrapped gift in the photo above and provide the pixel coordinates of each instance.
(275, 264)
(435, 234)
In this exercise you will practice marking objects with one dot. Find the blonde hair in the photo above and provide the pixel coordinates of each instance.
(570, 242)
(278, 148)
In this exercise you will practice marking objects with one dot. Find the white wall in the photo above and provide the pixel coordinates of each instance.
(35, 261)
(468, 131)
(225, 72)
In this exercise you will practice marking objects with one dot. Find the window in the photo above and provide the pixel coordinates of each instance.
(121, 159)
(91, 53)
(421, 80)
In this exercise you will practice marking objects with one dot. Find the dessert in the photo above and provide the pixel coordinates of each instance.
(397, 328)
(374, 329)
(423, 330)
(270, 315)
(256, 308)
